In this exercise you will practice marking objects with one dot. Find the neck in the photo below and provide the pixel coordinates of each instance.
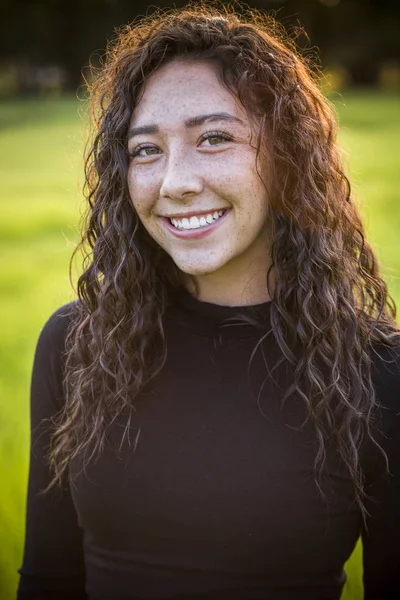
(245, 290)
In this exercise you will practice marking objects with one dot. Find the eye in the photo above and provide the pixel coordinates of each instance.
(215, 138)
(144, 150)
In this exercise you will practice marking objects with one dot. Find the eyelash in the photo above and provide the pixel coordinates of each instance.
(139, 148)
(205, 136)
(216, 134)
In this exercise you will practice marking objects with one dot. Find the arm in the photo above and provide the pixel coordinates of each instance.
(381, 543)
(53, 565)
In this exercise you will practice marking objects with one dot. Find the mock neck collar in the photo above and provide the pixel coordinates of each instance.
(206, 317)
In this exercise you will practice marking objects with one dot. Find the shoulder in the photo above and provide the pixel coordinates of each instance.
(53, 333)
(385, 359)
(50, 346)
(48, 364)
(385, 373)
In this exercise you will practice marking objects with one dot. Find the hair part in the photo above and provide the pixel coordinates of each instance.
(330, 306)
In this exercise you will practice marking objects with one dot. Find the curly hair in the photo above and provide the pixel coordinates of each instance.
(329, 303)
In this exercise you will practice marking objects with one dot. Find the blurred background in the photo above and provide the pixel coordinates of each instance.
(45, 49)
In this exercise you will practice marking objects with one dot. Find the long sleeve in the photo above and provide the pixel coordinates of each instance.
(381, 540)
(53, 565)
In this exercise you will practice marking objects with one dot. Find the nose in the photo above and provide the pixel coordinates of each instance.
(181, 177)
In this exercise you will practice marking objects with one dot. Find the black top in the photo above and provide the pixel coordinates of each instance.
(212, 494)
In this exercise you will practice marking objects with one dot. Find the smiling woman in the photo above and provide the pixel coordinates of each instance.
(186, 176)
(217, 414)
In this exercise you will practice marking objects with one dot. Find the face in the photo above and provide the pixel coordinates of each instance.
(191, 156)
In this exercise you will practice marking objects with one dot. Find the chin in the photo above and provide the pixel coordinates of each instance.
(197, 270)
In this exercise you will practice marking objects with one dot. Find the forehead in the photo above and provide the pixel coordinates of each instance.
(182, 89)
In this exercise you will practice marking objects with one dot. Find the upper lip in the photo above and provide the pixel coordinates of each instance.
(194, 213)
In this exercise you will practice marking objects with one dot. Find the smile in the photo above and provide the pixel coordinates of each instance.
(196, 222)
(196, 227)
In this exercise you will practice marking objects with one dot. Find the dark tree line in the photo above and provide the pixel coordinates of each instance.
(359, 35)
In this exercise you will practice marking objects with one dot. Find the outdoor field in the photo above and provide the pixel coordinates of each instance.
(41, 177)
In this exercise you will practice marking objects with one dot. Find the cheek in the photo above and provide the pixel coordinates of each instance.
(241, 171)
(142, 191)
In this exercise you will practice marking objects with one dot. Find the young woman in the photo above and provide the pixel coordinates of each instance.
(217, 414)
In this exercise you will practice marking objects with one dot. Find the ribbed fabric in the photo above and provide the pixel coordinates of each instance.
(210, 493)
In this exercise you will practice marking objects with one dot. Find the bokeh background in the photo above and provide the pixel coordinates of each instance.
(45, 49)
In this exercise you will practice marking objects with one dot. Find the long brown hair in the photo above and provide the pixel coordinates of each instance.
(328, 300)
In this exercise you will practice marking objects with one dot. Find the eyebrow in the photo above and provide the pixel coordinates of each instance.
(192, 122)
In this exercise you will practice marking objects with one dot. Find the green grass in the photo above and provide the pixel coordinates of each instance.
(41, 145)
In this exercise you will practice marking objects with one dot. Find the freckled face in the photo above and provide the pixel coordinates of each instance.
(190, 153)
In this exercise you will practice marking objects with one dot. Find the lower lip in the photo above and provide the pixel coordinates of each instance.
(197, 233)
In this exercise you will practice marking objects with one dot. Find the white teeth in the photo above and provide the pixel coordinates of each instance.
(196, 222)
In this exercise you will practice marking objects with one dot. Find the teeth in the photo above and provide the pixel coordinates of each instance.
(196, 222)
